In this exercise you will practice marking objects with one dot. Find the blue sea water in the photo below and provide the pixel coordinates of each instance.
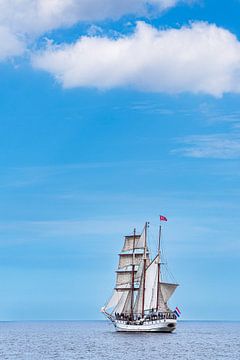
(97, 340)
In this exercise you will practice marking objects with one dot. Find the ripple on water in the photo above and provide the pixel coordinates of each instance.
(98, 340)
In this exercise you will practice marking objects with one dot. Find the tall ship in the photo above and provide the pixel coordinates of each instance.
(140, 298)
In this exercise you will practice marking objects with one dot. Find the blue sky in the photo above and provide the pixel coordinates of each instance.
(93, 144)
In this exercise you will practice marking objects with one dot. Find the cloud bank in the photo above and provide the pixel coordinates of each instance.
(25, 20)
(199, 58)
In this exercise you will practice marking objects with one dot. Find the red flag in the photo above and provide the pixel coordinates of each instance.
(163, 218)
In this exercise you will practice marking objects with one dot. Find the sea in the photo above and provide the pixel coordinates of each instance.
(97, 340)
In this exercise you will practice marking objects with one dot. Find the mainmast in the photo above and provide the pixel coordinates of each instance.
(159, 266)
(133, 272)
(144, 267)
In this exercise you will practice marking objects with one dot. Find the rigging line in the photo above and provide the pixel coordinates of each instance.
(166, 269)
(154, 240)
(169, 272)
(150, 244)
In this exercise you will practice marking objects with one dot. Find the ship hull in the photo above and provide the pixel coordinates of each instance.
(165, 326)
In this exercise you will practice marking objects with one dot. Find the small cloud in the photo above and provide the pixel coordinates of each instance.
(218, 146)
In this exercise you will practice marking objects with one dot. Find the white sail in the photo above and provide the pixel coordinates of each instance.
(162, 304)
(134, 242)
(139, 298)
(151, 285)
(124, 277)
(138, 274)
(116, 296)
(138, 302)
(127, 305)
(139, 269)
(167, 290)
(126, 260)
(120, 305)
(114, 300)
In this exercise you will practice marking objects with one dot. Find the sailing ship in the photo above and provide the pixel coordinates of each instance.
(139, 300)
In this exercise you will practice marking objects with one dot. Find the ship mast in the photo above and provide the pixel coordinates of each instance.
(159, 266)
(133, 272)
(144, 266)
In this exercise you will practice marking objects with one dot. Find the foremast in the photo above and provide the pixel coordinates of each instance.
(133, 273)
(129, 275)
(144, 267)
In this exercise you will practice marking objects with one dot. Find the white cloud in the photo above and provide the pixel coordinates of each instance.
(197, 58)
(218, 146)
(10, 45)
(42, 15)
(32, 18)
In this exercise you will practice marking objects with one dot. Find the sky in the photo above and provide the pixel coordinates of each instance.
(112, 113)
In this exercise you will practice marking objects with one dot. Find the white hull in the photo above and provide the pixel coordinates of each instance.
(167, 326)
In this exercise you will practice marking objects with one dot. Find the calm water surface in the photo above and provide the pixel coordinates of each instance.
(98, 340)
